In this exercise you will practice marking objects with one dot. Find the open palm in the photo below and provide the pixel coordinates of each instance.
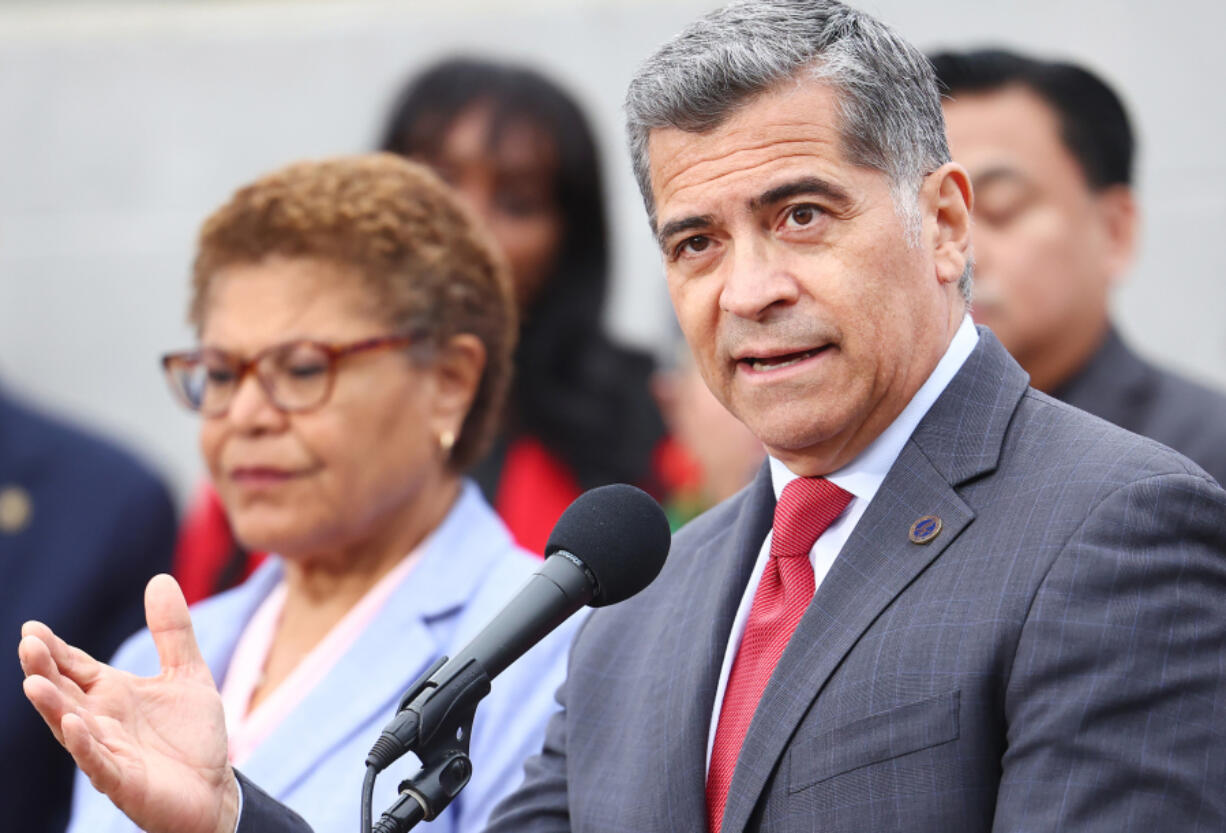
(156, 746)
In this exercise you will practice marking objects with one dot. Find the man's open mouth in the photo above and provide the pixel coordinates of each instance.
(760, 364)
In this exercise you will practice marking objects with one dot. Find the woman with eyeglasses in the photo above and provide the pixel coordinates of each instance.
(520, 152)
(356, 333)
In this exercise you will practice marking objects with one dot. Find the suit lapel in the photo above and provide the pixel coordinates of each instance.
(219, 620)
(698, 638)
(958, 439)
(364, 684)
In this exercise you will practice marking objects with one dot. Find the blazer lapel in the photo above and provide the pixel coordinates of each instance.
(363, 684)
(231, 611)
(698, 639)
(958, 439)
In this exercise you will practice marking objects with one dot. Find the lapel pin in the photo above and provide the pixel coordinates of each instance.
(925, 529)
(15, 509)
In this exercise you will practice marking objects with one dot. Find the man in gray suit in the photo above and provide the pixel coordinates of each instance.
(1050, 149)
(947, 603)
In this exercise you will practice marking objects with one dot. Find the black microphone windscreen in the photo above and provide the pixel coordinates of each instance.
(620, 533)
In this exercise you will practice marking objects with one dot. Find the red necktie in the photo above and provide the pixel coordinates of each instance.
(807, 506)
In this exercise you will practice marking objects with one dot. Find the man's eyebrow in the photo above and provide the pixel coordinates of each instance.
(809, 185)
(998, 173)
(674, 227)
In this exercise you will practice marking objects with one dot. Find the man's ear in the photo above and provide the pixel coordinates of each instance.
(457, 366)
(947, 193)
(1121, 221)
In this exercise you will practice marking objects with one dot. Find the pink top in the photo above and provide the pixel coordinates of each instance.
(248, 729)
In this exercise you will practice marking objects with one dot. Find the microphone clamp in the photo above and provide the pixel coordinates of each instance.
(434, 720)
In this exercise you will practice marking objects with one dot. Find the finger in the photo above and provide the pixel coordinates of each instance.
(34, 628)
(94, 759)
(171, 626)
(35, 658)
(48, 701)
(72, 662)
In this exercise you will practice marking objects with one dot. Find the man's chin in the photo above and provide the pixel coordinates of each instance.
(805, 454)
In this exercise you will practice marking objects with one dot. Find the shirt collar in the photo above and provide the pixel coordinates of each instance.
(864, 475)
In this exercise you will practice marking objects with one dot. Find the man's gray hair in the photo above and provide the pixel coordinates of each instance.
(888, 99)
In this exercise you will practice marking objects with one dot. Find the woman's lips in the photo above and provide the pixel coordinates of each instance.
(261, 475)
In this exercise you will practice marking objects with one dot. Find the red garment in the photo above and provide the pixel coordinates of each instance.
(807, 506)
(533, 492)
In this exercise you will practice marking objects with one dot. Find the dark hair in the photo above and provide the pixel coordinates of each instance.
(1093, 122)
(582, 396)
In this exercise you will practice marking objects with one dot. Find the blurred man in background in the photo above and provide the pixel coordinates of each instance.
(83, 527)
(1050, 152)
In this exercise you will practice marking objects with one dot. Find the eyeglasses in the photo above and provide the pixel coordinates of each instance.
(296, 375)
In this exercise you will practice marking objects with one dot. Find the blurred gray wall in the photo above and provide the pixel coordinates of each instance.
(123, 124)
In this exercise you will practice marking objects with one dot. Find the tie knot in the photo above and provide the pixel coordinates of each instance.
(807, 506)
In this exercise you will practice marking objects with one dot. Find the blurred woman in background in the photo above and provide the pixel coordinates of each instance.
(521, 153)
(356, 332)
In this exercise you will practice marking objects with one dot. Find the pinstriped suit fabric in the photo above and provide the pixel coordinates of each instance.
(1054, 660)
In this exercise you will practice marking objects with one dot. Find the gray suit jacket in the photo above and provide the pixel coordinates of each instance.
(1055, 659)
(1121, 387)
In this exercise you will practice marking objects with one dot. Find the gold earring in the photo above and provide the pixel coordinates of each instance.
(445, 441)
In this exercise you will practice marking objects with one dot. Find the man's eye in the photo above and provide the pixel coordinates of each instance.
(999, 213)
(999, 203)
(803, 215)
(692, 245)
(220, 375)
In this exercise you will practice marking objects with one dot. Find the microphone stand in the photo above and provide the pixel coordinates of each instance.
(434, 720)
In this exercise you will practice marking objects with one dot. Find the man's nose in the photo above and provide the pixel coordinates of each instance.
(756, 282)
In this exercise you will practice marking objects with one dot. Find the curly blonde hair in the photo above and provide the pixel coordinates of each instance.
(429, 268)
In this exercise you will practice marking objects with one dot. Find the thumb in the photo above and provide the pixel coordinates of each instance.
(171, 626)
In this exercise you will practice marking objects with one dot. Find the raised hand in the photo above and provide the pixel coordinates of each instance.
(156, 746)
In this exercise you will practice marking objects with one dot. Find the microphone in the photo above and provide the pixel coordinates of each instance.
(608, 545)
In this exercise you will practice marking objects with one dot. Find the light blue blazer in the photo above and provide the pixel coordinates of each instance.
(314, 761)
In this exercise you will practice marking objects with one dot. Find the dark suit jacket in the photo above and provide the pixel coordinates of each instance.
(99, 526)
(261, 813)
(1055, 659)
(1121, 387)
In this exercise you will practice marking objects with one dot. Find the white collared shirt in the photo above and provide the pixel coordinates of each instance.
(862, 477)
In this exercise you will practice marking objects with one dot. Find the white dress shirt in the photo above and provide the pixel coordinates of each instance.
(862, 477)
